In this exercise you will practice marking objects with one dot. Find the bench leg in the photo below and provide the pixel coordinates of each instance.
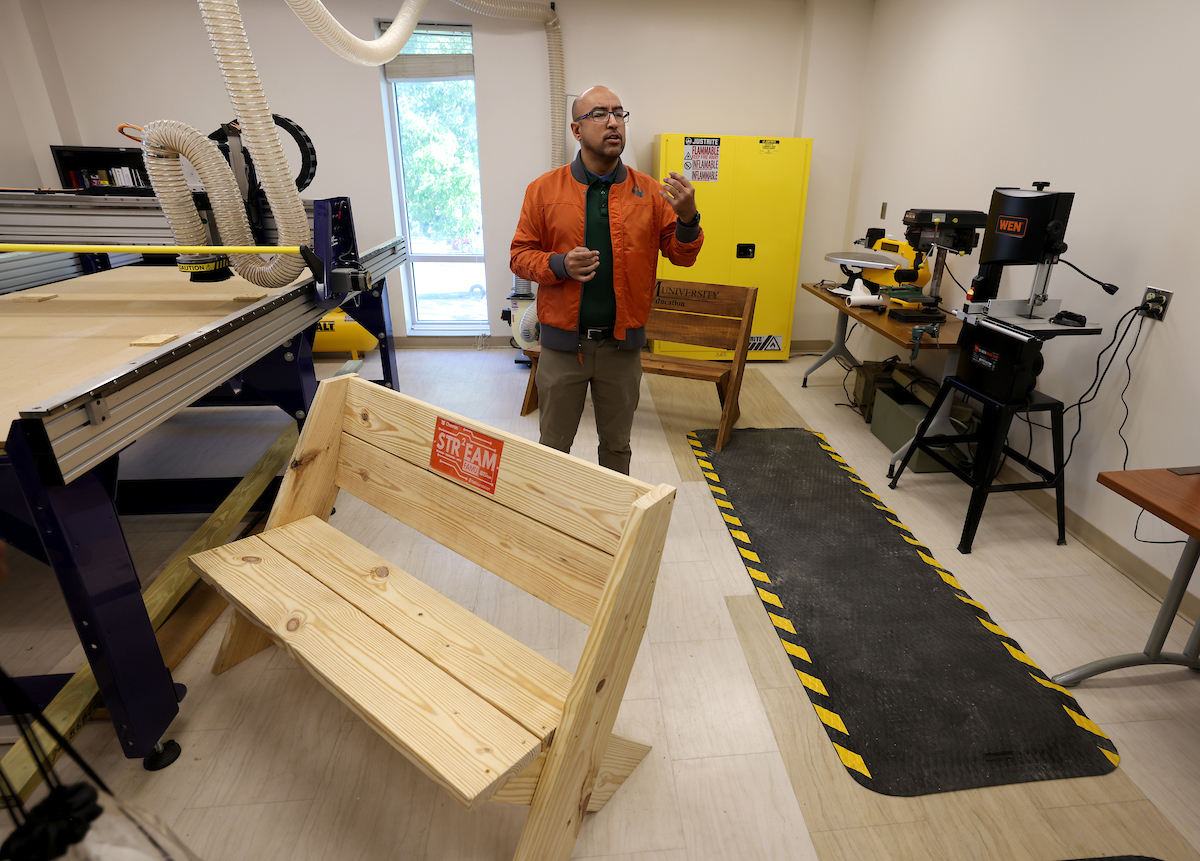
(730, 413)
(621, 757)
(243, 639)
(531, 393)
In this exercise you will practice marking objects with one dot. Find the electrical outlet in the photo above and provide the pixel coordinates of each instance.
(1158, 300)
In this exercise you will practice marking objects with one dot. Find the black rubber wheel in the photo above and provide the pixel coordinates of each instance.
(162, 756)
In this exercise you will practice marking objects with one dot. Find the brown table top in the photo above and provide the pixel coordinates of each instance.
(1170, 497)
(893, 330)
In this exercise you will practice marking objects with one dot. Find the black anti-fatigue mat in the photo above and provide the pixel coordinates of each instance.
(919, 690)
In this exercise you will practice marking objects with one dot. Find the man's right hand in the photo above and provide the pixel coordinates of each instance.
(581, 263)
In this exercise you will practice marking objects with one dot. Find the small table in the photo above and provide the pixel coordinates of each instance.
(1175, 499)
(893, 330)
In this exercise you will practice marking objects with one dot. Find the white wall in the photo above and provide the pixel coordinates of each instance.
(836, 34)
(1096, 97)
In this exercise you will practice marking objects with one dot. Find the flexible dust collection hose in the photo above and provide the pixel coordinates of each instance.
(166, 140)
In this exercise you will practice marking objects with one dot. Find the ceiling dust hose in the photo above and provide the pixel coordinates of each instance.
(166, 140)
(317, 19)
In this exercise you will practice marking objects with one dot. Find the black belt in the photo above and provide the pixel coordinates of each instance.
(596, 334)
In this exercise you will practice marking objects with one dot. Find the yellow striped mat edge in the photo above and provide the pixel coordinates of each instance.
(785, 628)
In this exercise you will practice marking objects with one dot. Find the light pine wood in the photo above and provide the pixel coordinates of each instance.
(309, 486)
(242, 640)
(560, 569)
(153, 340)
(458, 739)
(77, 701)
(570, 495)
(564, 792)
(91, 322)
(515, 679)
(620, 759)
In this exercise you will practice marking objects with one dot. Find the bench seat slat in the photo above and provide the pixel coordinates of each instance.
(462, 742)
(560, 569)
(692, 369)
(528, 687)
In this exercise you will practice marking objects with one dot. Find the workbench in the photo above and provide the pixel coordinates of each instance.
(1176, 500)
(90, 365)
(895, 331)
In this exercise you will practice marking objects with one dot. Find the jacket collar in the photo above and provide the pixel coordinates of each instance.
(579, 172)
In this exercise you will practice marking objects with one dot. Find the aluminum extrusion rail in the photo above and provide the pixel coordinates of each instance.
(83, 426)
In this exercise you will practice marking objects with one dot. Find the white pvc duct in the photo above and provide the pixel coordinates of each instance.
(165, 140)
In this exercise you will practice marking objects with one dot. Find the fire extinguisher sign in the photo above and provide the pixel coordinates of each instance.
(466, 455)
(701, 159)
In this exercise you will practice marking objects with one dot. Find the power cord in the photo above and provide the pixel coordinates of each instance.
(1108, 288)
(1128, 380)
(1137, 522)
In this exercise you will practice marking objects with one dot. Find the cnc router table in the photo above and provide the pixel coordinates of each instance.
(88, 366)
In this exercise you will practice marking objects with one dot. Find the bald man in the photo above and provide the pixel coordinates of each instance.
(589, 235)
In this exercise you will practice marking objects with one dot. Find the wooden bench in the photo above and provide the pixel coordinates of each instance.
(480, 713)
(704, 315)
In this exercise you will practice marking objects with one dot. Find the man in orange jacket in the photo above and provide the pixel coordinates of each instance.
(589, 235)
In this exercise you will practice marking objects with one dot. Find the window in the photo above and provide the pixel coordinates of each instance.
(432, 98)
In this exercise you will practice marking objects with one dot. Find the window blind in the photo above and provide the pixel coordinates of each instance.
(433, 52)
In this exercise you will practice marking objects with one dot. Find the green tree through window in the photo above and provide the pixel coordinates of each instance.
(440, 150)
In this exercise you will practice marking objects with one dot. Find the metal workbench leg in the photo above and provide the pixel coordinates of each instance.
(1153, 653)
(940, 426)
(838, 349)
(79, 530)
(374, 314)
(944, 398)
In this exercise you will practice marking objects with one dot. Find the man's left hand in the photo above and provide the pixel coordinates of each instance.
(681, 194)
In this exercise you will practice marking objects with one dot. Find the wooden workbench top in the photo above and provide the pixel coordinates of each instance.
(893, 330)
(91, 325)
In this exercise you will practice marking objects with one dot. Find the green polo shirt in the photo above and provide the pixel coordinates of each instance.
(598, 306)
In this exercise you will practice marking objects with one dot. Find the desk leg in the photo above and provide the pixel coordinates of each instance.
(1153, 653)
(838, 349)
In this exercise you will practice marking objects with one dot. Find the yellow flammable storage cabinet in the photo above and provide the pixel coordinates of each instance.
(750, 192)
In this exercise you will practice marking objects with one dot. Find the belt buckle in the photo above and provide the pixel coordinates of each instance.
(596, 334)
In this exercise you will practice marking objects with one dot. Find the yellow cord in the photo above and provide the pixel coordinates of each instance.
(154, 249)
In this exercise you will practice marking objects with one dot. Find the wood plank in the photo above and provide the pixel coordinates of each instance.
(459, 740)
(561, 570)
(719, 300)
(70, 709)
(89, 325)
(515, 679)
(620, 759)
(564, 793)
(685, 328)
(575, 497)
(153, 340)
(309, 486)
(692, 369)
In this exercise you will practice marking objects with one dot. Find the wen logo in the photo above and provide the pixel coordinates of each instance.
(637, 189)
(1011, 225)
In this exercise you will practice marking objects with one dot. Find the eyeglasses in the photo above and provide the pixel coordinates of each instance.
(600, 115)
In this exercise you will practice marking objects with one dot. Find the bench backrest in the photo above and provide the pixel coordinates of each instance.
(706, 315)
(544, 521)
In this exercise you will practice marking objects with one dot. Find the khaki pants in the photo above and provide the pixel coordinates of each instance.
(615, 377)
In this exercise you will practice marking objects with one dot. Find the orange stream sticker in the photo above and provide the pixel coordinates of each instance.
(469, 456)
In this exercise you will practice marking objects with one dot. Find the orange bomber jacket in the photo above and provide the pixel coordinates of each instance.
(642, 224)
